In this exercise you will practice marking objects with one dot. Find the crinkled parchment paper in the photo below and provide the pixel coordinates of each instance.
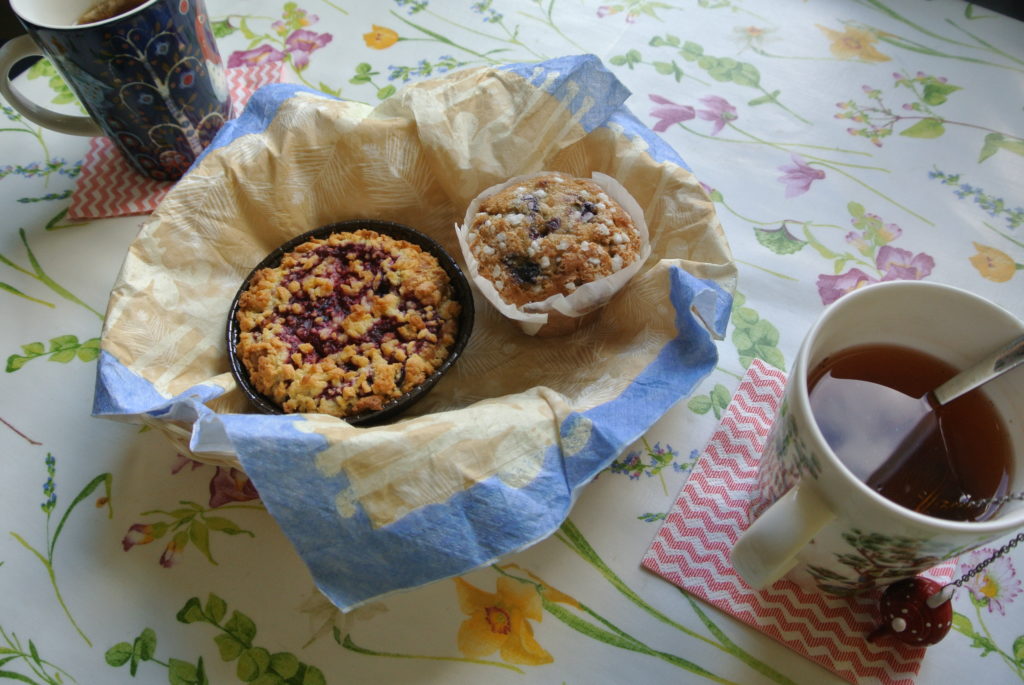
(491, 459)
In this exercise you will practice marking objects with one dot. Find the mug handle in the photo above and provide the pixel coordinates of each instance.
(16, 50)
(767, 550)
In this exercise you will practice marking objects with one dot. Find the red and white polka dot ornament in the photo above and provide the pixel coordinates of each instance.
(919, 610)
(916, 611)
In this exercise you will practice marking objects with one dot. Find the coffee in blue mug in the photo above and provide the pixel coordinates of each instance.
(147, 72)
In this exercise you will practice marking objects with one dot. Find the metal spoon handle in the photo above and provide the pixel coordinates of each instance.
(999, 362)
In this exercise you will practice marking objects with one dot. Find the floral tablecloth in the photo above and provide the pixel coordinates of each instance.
(843, 142)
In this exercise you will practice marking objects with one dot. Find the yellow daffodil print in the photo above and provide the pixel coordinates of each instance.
(854, 43)
(501, 621)
(380, 38)
(993, 264)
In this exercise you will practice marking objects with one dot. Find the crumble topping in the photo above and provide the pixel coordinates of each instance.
(548, 235)
(346, 323)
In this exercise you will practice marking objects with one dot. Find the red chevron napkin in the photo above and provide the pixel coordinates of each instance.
(692, 546)
(108, 186)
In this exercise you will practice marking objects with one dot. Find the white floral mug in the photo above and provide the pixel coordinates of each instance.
(813, 520)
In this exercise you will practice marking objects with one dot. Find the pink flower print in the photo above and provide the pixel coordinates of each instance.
(669, 113)
(860, 242)
(887, 232)
(831, 288)
(174, 549)
(264, 54)
(608, 10)
(799, 176)
(719, 111)
(231, 485)
(302, 43)
(298, 18)
(897, 264)
(181, 461)
(142, 534)
(995, 585)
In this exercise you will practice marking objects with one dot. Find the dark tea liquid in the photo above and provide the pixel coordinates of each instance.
(940, 466)
(107, 9)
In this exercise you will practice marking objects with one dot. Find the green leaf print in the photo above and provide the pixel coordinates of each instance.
(715, 401)
(573, 538)
(723, 69)
(630, 59)
(926, 128)
(364, 74)
(284, 663)
(982, 638)
(1018, 649)
(669, 69)
(62, 349)
(190, 523)
(215, 608)
(39, 274)
(701, 404)
(772, 97)
(192, 612)
(779, 240)
(119, 654)
(754, 337)
(228, 647)
(962, 624)
(12, 652)
(222, 28)
(984, 643)
(241, 627)
(994, 142)
(876, 120)
(936, 92)
(669, 40)
(183, 673)
(63, 95)
(253, 664)
(690, 51)
(45, 556)
(348, 643)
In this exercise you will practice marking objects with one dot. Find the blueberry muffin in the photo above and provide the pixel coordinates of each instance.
(344, 324)
(548, 235)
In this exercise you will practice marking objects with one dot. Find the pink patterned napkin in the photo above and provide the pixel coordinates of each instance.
(691, 550)
(108, 186)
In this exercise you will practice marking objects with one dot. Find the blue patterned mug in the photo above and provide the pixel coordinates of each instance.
(149, 76)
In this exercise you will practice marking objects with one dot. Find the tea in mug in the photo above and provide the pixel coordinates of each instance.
(937, 460)
(108, 9)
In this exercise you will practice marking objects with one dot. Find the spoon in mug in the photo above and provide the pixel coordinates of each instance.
(893, 426)
(994, 365)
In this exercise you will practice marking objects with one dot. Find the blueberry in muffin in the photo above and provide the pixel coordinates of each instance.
(346, 323)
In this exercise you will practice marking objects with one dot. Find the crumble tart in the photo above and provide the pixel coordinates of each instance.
(346, 324)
